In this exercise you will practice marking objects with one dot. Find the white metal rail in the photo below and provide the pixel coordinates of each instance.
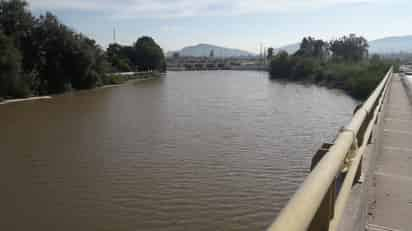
(347, 150)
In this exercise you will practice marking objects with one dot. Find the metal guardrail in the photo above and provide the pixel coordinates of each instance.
(316, 205)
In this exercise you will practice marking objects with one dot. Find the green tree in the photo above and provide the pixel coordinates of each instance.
(120, 57)
(15, 19)
(352, 48)
(11, 82)
(53, 40)
(89, 61)
(315, 48)
(17, 22)
(281, 66)
(66, 59)
(148, 55)
(40, 55)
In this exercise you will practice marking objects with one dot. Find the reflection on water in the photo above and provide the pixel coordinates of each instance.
(194, 151)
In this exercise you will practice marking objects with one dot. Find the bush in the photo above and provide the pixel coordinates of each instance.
(358, 79)
(113, 79)
(304, 68)
(340, 64)
(281, 66)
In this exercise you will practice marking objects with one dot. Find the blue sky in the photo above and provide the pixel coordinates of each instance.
(240, 24)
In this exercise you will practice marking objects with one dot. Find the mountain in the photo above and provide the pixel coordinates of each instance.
(388, 45)
(202, 50)
(392, 45)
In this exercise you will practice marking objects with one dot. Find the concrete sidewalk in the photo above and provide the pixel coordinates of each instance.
(391, 207)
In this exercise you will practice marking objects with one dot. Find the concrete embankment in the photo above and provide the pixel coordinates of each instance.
(25, 99)
(126, 82)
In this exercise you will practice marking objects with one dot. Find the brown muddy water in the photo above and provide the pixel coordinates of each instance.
(219, 150)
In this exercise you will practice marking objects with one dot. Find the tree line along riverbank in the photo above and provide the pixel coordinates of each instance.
(41, 56)
(343, 63)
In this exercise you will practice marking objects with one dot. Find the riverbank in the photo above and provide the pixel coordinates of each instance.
(135, 80)
(24, 99)
(357, 79)
(123, 78)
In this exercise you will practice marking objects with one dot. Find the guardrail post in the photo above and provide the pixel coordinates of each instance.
(358, 175)
(326, 210)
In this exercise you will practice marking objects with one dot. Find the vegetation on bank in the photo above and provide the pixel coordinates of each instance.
(342, 64)
(40, 55)
(119, 78)
(143, 55)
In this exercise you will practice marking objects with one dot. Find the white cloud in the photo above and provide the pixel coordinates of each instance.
(183, 8)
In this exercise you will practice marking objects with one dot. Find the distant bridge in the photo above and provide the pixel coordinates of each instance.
(363, 181)
(207, 63)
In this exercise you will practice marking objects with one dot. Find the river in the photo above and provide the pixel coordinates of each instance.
(218, 150)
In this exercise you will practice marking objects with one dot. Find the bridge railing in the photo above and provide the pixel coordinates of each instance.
(319, 202)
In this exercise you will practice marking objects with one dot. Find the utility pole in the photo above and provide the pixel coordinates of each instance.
(114, 35)
(264, 55)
